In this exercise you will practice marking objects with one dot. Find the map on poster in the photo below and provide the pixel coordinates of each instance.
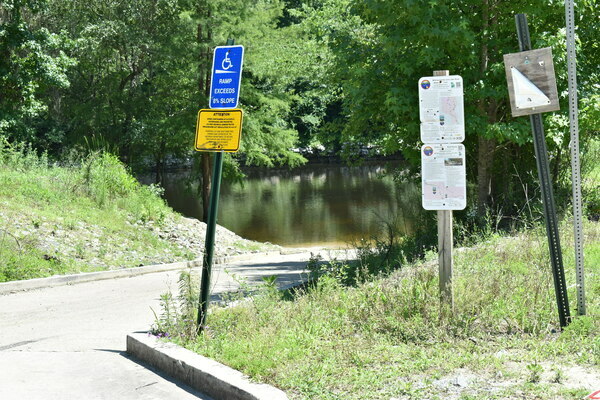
(443, 182)
(441, 109)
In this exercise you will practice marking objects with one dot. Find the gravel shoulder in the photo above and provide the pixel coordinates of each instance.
(90, 247)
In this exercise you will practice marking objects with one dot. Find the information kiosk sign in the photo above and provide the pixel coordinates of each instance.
(441, 107)
(443, 183)
(443, 172)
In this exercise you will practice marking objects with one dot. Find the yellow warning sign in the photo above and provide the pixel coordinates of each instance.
(219, 130)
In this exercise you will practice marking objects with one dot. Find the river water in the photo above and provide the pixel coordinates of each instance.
(314, 205)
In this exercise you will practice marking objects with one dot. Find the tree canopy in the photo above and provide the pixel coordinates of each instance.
(339, 75)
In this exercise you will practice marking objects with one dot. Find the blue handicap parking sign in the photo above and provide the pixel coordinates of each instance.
(226, 76)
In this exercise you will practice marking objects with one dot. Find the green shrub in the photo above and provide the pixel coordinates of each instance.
(107, 181)
(96, 192)
(105, 178)
(21, 156)
(590, 176)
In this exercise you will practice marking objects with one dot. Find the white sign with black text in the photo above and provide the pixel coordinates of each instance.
(441, 109)
(444, 183)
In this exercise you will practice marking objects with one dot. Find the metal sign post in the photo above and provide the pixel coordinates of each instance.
(575, 167)
(209, 244)
(225, 64)
(541, 156)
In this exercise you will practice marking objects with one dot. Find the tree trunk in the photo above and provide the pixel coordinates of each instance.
(485, 162)
(206, 183)
(204, 37)
(158, 173)
(486, 147)
(159, 159)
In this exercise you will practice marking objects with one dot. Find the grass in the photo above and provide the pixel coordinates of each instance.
(387, 337)
(87, 216)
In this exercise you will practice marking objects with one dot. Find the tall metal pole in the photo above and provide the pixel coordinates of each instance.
(574, 145)
(541, 156)
(209, 245)
(211, 225)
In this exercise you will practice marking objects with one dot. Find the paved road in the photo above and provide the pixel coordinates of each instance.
(68, 342)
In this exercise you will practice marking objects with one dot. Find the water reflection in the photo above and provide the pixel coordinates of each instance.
(313, 205)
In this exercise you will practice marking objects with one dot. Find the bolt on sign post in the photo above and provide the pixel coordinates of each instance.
(532, 90)
(575, 167)
(218, 131)
(443, 172)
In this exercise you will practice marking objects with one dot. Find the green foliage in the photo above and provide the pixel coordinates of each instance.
(107, 181)
(106, 178)
(32, 64)
(590, 176)
(21, 157)
(130, 77)
(134, 84)
(378, 49)
(535, 372)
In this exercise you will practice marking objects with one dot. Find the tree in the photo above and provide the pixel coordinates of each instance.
(33, 66)
(143, 72)
(382, 47)
(134, 85)
(268, 136)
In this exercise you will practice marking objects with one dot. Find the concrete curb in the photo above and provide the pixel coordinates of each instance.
(61, 280)
(201, 373)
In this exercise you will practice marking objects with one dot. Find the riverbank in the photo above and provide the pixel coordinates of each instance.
(386, 337)
(92, 216)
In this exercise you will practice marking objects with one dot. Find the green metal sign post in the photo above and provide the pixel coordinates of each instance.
(209, 245)
(541, 156)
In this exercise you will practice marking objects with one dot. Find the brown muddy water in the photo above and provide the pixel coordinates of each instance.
(314, 205)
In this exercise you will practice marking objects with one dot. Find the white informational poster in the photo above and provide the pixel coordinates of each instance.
(443, 176)
(441, 109)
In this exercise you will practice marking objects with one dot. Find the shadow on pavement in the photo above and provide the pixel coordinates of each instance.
(159, 373)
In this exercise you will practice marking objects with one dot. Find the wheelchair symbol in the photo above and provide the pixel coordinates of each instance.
(226, 64)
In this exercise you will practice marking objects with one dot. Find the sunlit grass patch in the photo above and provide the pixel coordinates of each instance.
(385, 336)
(84, 216)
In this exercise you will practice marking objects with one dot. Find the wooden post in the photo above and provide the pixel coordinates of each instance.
(445, 238)
(445, 244)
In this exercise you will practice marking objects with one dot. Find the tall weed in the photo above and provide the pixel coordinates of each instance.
(108, 183)
(21, 157)
(177, 318)
(105, 178)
